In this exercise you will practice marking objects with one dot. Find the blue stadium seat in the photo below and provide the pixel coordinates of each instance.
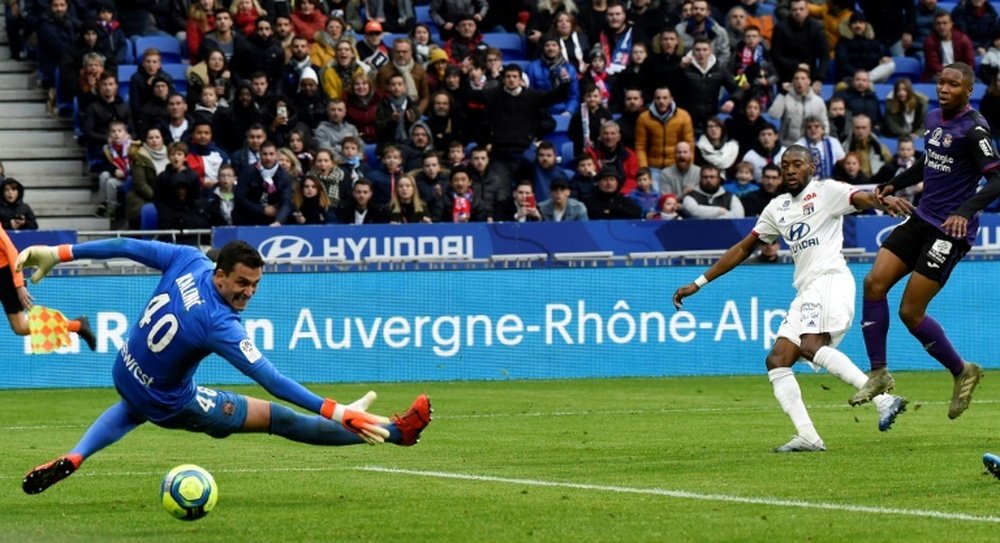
(522, 63)
(566, 152)
(388, 39)
(891, 144)
(424, 14)
(148, 218)
(169, 46)
(125, 72)
(765, 8)
(882, 91)
(177, 72)
(371, 155)
(511, 44)
(907, 67)
(827, 91)
(562, 122)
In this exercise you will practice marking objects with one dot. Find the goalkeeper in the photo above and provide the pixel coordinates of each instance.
(16, 298)
(194, 312)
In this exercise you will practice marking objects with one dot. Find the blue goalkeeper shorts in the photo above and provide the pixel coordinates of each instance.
(217, 413)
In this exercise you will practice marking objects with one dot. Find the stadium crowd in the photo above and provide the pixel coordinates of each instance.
(265, 112)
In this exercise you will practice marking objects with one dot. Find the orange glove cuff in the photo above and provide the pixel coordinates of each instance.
(328, 406)
(65, 252)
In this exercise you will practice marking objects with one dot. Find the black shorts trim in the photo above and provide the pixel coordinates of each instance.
(925, 249)
(8, 292)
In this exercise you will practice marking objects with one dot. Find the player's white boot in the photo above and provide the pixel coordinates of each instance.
(801, 444)
(888, 409)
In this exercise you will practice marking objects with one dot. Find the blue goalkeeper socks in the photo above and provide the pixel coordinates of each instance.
(111, 426)
(317, 430)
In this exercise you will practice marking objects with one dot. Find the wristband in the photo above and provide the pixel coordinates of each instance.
(328, 408)
(701, 281)
(65, 252)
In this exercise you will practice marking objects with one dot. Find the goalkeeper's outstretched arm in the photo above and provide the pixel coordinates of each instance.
(154, 254)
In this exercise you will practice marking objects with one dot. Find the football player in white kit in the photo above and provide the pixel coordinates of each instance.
(809, 216)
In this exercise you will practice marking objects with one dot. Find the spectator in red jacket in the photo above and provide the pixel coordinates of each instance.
(935, 58)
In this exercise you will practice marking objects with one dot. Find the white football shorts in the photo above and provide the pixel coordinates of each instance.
(826, 305)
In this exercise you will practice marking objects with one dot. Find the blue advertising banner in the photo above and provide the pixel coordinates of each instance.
(498, 324)
(481, 240)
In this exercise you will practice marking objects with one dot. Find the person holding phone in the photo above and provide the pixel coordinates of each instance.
(524, 206)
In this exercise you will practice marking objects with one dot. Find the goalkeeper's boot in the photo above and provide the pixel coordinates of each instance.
(879, 381)
(888, 410)
(414, 420)
(992, 463)
(49, 474)
(965, 383)
(86, 333)
(801, 444)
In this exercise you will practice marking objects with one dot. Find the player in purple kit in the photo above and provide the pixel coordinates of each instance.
(194, 312)
(959, 150)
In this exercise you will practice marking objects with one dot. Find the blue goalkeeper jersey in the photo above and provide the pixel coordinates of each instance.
(184, 321)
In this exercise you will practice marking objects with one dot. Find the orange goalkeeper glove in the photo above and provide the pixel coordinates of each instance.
(355, 418)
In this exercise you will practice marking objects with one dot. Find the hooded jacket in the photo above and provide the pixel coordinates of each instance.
(9, 210)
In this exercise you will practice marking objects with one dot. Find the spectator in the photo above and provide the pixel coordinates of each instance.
(395, 114)
(260, 52)
(331, 132)
(826, 150)
(978, 20)
(923, 26)
(561, 207)
(489, 182)
(792, 108)
(860, 51)
(456, 155)
(299, 143)
(659, 129)
(635, 105)
(247, 156)
(414, 75)
(153, 111)
(335, 183)
(871, 153)
(548, 73)
(860, 99)
(739, 19)
(180, 206)
(639, 74)
(989, 64)
(839, 119)
(416, 146)
(437, 67)
(770, 185)
(593, 18)
(608, 202)
(892, 20)
(204, 156)
(14, 213)
(302, 57)
(211, 72)
(668, 52)
(701, 25)
(175, 172)
(669, 208)
(284, 32)
(114, 168)
(264, 193)
(466, 40)
(683, 175)
(573, 42)
(310, 203)
(81, 65)
(768, 150)
(84, 84)
(752, 66)
(222, 38)
(148, 161)
(745, 125)
(307, 19)
(56, 34)
(591, 115)
(281, 119)
(523, 207)
(385, 176)
(423, 44)
(617, 38)
(362, 107)
(406, 205)
(140, 85)
(645, 194)
(610, 152)
(945, 45)
(445, 120)
(348, 10)
(542, 170)
(704, 79)
(584, 181)
(370, 48)
(446, 14)
(110, 33)
(799, 40)
(310, 103)
(849, 170)
(461, 203)
(904, 111)
(245, 113)
(649, 17)
(222, 199)
(742, 183)
(352, 165)
(597, 75)
(541, 18)
(906, 156)
(245, 14)
(709, 200)
(337, 76)
(200, 21)
(260, 87)
(100, 113)
(396, 16)
(178, 122)
(290, 163)
(431, 182)
(715, 148)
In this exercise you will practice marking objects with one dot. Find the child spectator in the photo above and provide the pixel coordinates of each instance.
(361, 209)
(743, 182)
(406, 206)
(431, 183)
(460, 204)
(384, 177)
(585, 126)
(352, 165)
(645, 194)
(310, 203)
(597, 76)
(222, 198)
(114, 169)
(582, 184)
(212, 72)
(14, 213)
(669, 208)
(849, 170)
(110, 33)
(456, 155)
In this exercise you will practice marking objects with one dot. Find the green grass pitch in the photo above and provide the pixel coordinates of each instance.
(678, 459)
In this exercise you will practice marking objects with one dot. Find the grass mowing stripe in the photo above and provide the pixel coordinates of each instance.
(681, 494)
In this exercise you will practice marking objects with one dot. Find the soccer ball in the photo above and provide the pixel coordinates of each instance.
(189, 492)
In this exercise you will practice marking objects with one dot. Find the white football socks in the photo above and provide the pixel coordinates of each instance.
(789, 395)
(841, 367)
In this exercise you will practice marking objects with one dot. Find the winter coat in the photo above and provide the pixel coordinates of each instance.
(17, 208)
(656, 141)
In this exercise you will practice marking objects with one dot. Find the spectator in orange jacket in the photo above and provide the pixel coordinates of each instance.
(659, 129)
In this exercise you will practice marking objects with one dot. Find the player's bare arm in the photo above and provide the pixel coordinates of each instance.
(733, 257)
(909, 177)
(892, 205)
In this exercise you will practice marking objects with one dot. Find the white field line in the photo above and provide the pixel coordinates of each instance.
(578, 413)
(685, 495)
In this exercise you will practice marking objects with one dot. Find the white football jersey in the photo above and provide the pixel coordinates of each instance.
(812, 225)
